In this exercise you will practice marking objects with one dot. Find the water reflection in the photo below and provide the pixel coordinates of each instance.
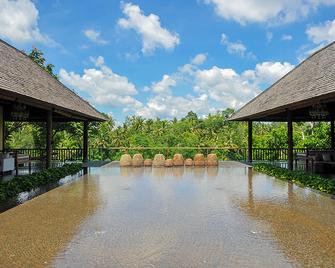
(212, 171)
(138, 171)
(178, 171)
(177, 217)
(302, 224)
(126, 171)
(199, 172)
(33, 233)
(250, 188)
(158, 172)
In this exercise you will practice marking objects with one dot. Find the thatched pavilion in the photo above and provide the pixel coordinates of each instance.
(28, 93)
(307, 93)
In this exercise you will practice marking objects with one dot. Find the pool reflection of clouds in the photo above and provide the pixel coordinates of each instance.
(199, 217)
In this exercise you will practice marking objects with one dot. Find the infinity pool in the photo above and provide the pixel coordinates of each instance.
(171, 217)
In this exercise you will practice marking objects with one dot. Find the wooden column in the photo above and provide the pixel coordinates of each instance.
(2, 130)
(250, 141)
(49, 140)
(289, 141)
(332, 134)
(85, 142)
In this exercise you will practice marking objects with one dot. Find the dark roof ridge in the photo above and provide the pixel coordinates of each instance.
(283, 77)
(53, 80)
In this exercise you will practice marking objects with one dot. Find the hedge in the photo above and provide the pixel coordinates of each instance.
(12, 188)
(299, 177)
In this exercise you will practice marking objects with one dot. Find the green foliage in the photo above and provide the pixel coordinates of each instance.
(191, 131)
(37, 56)
(12, 188)
(302, 178)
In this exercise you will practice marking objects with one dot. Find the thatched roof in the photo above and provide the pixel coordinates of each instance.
(23, 79)
(311, 81)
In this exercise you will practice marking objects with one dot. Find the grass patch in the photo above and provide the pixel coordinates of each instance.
(12, 188)
(302, 178)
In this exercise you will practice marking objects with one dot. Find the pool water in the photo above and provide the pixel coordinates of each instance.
(171, 217)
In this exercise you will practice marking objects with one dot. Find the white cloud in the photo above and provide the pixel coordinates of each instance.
(270, 11)
(163, 87)
(149, 28)
(95, 37)
(19, 22)
(286, 37)
(269, 36)
(224, 86)
(103, 85)
(237, 48)
(324, 33)
(234, 90)
(199, 59)
(270, 72)
(214, 89)
(320, 35)
(175, 106)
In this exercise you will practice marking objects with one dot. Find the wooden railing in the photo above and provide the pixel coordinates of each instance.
(57, 154)
(114, 153)
(277, 154)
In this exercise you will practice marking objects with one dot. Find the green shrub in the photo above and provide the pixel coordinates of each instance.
(12, 188)
(302, 178)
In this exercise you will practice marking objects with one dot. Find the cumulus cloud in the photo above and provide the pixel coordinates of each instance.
(199, 59)
(237, 48)
(224, 86)
(269, 36)
(231, 89)
(149, 28)
(270, 72)
(213, 89)
(164, 86)
(19, 22)
(286, 37)
(95, 37)
(175, 106)
(270, 11)
(102, 85)
(320, 35)
(323, 33)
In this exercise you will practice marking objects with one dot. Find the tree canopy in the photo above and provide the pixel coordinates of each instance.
(37, 56)
(214, 130)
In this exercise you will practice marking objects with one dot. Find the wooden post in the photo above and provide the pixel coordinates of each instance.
(332, 134)
(250, 141)
(85, 142)
(289, 141)
(49, 140)
(2, 130)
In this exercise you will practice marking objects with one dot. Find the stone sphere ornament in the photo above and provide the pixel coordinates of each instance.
(199, 160)
(147, 163)
(212, 160)
(188, 162)
(159, 161)
(137, 160)
(125, 160)
(178, 160)
(168, 163)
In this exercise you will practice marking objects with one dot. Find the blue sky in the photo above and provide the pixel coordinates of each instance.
(158, 58)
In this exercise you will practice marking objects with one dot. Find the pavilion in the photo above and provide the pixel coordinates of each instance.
(305, 94)
(28, 93)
